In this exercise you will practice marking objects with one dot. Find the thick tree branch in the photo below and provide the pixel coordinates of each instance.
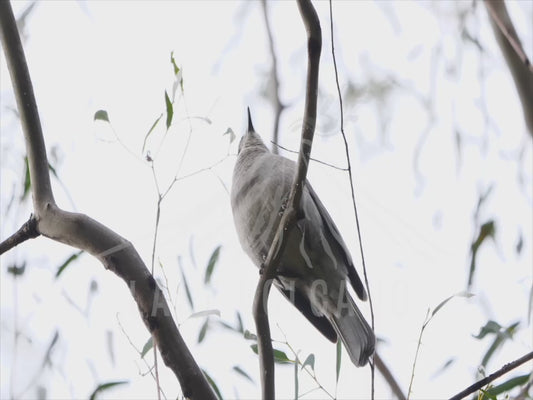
(82, 232)
(27, 231)
(485, 381)
(314, 46)
(517, 60)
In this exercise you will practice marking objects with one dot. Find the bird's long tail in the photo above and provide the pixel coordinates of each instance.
(354, 331)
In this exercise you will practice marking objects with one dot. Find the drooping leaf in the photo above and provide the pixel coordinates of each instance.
(249, 335)
(17, 270)
(150, 131)
(169, 110)
(211, 264)
(203, 330)
(205, 313)
(105, 386)
(310, 360)
(519, 243)
(338, 361)
(231, 134)
(67, 262)
(243, 373)
(508, 385)
(147, 346)
(185, 284)
(487, 230)
(101, 115)
(279, 356)
(240, 326)
(213, 385)
(442, 303)
(444, 367)
(489, 327)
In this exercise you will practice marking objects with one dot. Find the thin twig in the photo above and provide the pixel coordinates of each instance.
(372, 367)
(310, 158)
(27, 231)
(426, 321)
(502, 371)
(278, 105)
(260, 309)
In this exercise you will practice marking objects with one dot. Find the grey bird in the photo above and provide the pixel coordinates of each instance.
(315, 264)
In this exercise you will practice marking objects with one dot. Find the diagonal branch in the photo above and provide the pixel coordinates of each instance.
(314, 46)
(82, 232)
(485, 381)
(517, 60)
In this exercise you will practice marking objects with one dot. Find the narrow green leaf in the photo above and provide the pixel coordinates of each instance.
(191, 251)
(170, 110)
(205, 313)
(17, 270)
(487, 395)
(296, 378)
(509, 385)
(105, 386)
(338, 362)
(101, 115)
(150, 131)
(279, 356)
(442, 303)
(173, 62)
(27, 180)
(243, 373)
(310, 360)
(147, 346)
(203, 330)
(240, 326)
(211, 264)
(185, 284)
(213, 384)
(53, 170)
(67, 262)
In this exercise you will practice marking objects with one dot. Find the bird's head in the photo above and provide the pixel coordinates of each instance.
(251, 139)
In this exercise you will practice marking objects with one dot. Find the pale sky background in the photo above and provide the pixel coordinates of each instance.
(417, 226)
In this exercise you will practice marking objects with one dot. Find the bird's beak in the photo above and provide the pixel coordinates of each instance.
(250, 125)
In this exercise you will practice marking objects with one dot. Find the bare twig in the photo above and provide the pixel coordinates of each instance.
(27, 231)
(314, 46)
(517, 60)
(278, 105)
(502, 371)
(82, 232)
(310, 158)
(356, 214)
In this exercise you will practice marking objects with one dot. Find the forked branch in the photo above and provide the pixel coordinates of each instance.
(82, 232)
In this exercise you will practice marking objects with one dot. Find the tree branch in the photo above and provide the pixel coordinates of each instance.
(260, 310)
(517, 60)
(389, 378)
(502, 371)
(278, 105)
(27, 231)
(82, 232)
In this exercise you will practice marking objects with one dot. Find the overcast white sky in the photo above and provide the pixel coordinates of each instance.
(417, 226)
